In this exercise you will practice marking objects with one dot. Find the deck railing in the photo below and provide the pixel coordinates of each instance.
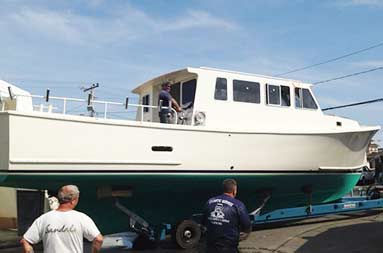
(90, 103)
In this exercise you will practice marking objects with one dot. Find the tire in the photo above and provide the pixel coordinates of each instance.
(187, 234)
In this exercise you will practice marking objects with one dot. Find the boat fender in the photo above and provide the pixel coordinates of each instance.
(199, 119)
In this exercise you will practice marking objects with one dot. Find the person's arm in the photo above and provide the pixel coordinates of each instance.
(31, 237)
(245, 223)
(97, 243)
(176, 106)
(27, 247)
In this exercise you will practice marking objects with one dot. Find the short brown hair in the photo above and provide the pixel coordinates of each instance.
(166, 83)
(229, 185)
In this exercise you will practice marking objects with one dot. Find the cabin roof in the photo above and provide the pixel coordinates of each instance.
(192, 70)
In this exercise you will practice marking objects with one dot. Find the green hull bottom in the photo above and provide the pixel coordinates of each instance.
(168, 198)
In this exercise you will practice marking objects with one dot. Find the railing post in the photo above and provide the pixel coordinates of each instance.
(176, 115)
(64, 106)
(2, 104)
(142, 113)
(105, 109)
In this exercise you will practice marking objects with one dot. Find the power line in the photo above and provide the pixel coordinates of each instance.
(349, 75)
(354, 104)
(49, 81)
(332, 60)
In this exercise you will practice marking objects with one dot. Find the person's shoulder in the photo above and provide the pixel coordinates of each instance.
(237, 202)
(214, 198)
(240, 204)
(48, 214)
(75, 212)
(80, 214)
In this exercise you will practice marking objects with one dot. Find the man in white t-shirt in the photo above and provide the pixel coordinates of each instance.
(62, 230)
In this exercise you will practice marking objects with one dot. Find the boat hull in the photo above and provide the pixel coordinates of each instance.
(67, 143)
(169, 197)
(171, 170)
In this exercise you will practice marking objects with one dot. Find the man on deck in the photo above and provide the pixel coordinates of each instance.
(167, 101)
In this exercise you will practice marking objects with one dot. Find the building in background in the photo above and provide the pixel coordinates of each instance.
(372, 148)
(8, 208)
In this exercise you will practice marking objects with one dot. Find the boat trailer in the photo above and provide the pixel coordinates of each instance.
(346, 204)
(188, 232)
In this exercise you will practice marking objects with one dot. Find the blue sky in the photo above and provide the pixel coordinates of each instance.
(64, 45)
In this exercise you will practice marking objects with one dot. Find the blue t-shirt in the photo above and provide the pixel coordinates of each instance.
(225, 217)
(166, 98)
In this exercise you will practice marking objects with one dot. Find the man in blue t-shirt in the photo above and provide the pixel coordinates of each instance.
(167, 101)
(226, 219)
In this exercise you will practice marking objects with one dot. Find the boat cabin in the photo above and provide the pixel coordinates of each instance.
(208, 97)
(215, 97)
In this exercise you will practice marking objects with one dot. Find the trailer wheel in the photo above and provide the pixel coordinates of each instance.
(187, 234)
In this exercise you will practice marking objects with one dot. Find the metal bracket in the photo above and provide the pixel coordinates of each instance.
(264, 202)
(135, 219)
(11, 96)
(307, 189)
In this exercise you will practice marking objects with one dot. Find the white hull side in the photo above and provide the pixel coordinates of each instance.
(49, 143)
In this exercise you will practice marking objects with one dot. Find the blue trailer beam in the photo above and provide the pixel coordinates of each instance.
(348, 204)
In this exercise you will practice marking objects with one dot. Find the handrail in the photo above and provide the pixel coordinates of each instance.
(2, 104)
(106, 104)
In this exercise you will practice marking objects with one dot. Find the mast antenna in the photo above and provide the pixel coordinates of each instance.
(91, 97)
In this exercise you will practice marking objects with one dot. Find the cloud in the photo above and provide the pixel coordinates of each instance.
(121, 25)
(46, 23)
(198, 19)
(368, 3)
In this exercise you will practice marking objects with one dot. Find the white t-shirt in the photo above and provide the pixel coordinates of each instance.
(62, 232)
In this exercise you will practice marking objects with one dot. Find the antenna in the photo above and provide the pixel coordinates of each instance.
(11, 96)
(91, 97)
(47, 95)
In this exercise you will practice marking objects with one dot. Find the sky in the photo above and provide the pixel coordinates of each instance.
(65, 45)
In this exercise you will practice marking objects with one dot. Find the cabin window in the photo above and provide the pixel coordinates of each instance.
(285, 95)
(220, 89)
(244, 91)
(308, 100)
(278, 95)
(273, 95)
(298, 98)
(175, 92)
(304, 99)
(188, 92)
(145, 101)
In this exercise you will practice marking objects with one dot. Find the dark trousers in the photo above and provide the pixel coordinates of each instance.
(164, 117)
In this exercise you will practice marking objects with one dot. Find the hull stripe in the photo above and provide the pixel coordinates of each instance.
(231, 172)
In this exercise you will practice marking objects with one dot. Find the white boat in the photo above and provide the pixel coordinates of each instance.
(268, 133)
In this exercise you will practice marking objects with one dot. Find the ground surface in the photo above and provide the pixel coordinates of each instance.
(358, 232)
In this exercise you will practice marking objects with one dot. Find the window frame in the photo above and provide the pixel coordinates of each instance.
(301, 99)
(181, 102)
(215, 89)
(280, 95)
(146, 101)
(247, 102)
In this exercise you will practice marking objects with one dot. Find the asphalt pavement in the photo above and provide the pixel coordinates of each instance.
(354, 232)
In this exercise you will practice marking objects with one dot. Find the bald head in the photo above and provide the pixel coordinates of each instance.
(68, 193)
